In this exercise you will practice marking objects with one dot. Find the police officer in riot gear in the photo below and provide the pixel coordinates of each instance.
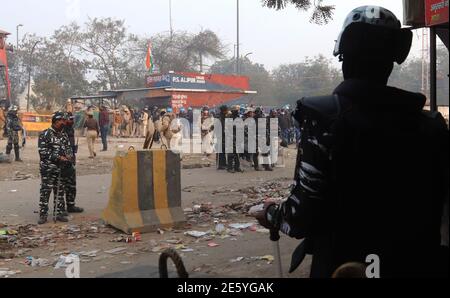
(222, 156)
(372, 170)
(233, 162)
(56, 163)
(12, 128)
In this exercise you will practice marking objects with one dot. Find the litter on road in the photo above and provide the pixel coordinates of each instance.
(196, 234)
(117, 250)
(64, 261)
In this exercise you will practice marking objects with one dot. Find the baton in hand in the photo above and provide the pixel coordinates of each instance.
(275, 238)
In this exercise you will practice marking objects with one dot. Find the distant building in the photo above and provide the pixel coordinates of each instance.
(180, 89)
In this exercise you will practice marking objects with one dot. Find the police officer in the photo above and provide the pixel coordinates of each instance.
(259, 114)
(222, 157)
(233, 162)
(56, 161)
(12, 127)
(360, 190)
(207, 132)
(69, 182)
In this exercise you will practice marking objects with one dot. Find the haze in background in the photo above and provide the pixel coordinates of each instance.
(274, 37)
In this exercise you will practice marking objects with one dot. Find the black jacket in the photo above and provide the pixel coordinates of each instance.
(371, 179)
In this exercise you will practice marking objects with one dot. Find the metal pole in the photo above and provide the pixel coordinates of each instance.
(170, 19)
(237, 47)
(275, 238)
(29, 75)
(433, 94)
(17, 34)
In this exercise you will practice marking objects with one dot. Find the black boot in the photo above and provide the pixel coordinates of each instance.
(17, 153)
(8, 149)
(62, 218)
(268, 168)
(74, 209)
(42, 219)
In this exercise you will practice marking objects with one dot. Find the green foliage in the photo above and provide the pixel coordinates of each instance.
(312, 77)
(181, 51)
(408, 76)
(260, 79)
(321, 14)
(102, 55)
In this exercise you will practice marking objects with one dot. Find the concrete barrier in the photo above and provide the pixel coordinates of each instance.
(146, 192)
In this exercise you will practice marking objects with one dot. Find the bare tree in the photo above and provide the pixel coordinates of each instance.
(107, 42)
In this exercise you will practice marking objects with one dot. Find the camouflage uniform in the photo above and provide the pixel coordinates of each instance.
(12, 128)
(52, 145)
(70, 182)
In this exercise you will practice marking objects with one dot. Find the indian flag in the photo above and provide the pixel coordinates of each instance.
(149, 60)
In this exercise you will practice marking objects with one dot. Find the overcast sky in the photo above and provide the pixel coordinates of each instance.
(274, 37)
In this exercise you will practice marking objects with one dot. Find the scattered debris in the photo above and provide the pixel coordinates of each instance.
(157, 249)
(196, 234)
(89, 254)
(117, 250)
(267, 258)
(241, 226)
(239, 259)
(18, 176)
(6, 273)
(174, 241)
(212, 244)
(30, 261)
(137, 236)
(220, 229)
(187, 250)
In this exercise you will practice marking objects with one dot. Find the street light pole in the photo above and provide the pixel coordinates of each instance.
(170, 19)
(17, 34)
(238, 46)
(29, 75)
(245, 58)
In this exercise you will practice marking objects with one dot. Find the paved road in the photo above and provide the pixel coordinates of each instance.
(19, 201)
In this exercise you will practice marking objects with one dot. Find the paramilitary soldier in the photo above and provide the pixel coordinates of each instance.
(70, 182)
(359, 188)
(56, 162)
(12, 127)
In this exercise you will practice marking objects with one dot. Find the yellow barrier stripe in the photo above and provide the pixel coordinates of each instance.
(130, 190)
(160, 187)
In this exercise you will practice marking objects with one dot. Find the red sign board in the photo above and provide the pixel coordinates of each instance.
(436, 12)
(4, 61)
